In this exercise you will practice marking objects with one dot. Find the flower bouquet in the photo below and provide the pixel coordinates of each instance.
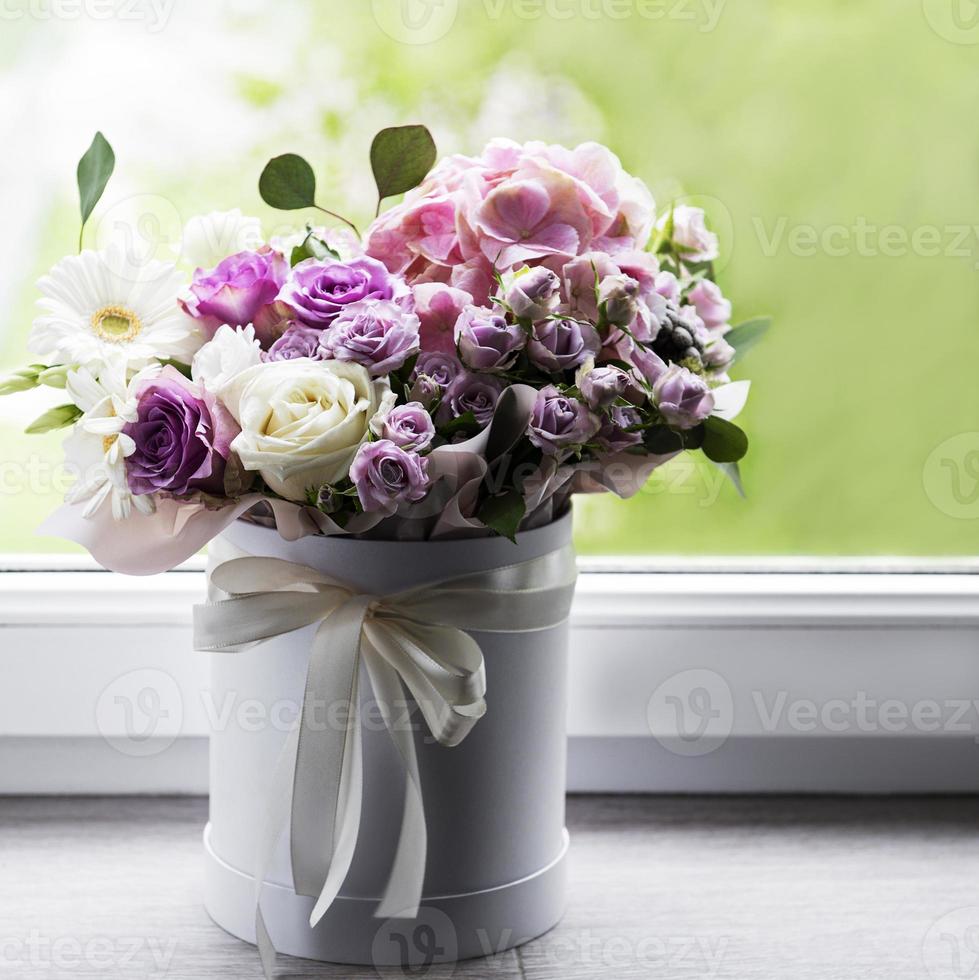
(380, 436)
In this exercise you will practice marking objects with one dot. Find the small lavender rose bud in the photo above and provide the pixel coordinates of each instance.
(711, 306)
(618, 297)
(559, 422)
(486, 341)
(533, 293)
(379, 334)
(443, 369)
(425, 390)
(385, 476)
(603, 385)
(558, 345)
(329, 500)
(718, 354)
(683, 398)
(297, 341)
(407, 426)
(476, 393)
(620, 432)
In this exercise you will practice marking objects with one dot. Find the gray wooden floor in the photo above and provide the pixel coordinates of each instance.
(672, 888)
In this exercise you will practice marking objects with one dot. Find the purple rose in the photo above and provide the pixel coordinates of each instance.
(385, 475)
(443, 369)
(615, 435)
(486, 341)
(603, 385)
(476, 393)
(425, 390)
(320, 291)
(558, 345)
(650, 367)
(683, 398)
(379, 335)
(408, 426)
(560, 421)
(718, 354)
(297, 341)
(242, 290)
(183, 438)
(618, 297)
(534, 294)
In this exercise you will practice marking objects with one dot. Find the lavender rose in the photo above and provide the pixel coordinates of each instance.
(380, 335)
(241, 290)
(409, 427)
(297, 341)
(619, 432)
(385, 475)
(486, 341)
(560, 421)
(683, 398)
(320, 291)
(618, 298)
(476, 393)
(534, 293)
(182, 435)
(601, 386)
(443, 369)
(558, 345)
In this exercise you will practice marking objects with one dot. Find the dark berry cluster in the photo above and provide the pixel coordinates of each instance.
(676, 341)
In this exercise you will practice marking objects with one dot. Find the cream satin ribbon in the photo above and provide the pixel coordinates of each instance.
(417, 638)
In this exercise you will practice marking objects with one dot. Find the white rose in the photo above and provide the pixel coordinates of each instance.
(226, 355)
(210, 238)
(302, 421)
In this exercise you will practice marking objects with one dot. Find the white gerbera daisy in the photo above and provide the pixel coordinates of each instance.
(98, 447)
(98, 309)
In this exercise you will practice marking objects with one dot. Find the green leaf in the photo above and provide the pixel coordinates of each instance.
(55, 418)
(288, 183)
(724, 442)
(503, 513)
(461, 423)
(23, 380)
(94, 170)
(401, 158)
(733, 472)
(662, 440)
(745, 335)
(313, 247)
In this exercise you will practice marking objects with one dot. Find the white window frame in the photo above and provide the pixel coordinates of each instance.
(789, 675)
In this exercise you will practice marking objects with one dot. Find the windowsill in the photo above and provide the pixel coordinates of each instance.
(759, 633)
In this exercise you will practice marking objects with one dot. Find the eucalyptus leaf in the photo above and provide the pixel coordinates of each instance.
(724, 442)
(661, 440)
(288, 183)
(94, 170)
(503, 513)
(745, 335)
(55, 418)
(401, 158)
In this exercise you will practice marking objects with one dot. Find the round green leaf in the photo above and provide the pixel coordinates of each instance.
(401, 158)
(724, 442)
(288, 183)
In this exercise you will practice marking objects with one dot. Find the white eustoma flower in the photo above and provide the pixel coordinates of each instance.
(97, 447)
(210, 238)
(98, 308)
(227, 354)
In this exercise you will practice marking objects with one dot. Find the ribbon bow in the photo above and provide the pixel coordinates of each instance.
(417, 638)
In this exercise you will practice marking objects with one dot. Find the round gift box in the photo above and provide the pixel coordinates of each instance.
(494, 805)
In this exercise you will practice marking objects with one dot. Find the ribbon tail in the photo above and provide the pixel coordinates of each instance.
(276, 818)
(347, 820)
(403, 892)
